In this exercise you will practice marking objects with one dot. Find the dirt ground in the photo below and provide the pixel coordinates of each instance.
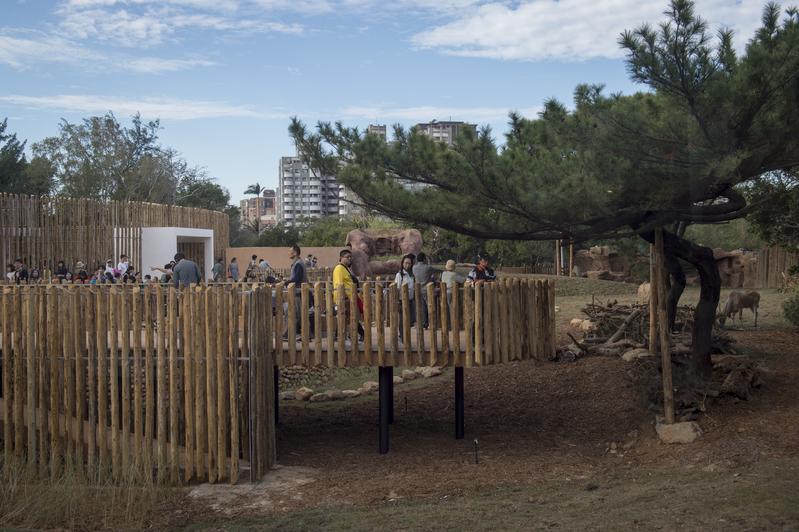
(555, 441)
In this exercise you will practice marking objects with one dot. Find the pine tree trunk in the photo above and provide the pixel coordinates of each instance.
(701, 258)
(676, 285)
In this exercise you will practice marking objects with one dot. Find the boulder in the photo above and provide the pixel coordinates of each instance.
(303, 394)
(599, 275)
(738, 383)
(370, 386)
(587, 326)
(430, 372)
(335, 395)
(398, 379)
(350, 393)
(288, 396)
(408, 375)
(575, 323)
(319, 398)
(635, 354)
(683, 432)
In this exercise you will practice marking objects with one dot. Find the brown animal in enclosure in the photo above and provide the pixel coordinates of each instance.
(737, 301)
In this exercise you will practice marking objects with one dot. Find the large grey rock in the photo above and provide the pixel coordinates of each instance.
(398, 379)
(634, 354)
(431, 372)
(350, 393)
(370, 386)
(320, 397)
(336, 395)
(683, 432)
(288, 396)
(303, 394)
(408, 375)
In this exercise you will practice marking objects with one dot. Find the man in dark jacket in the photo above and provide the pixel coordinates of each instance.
(185, 272)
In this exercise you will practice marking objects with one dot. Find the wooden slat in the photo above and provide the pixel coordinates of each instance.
(445, 353)
(418, 301)
(221, 381)
(161, 385)
(305, 323)
(57, 344)
(393, 315)
(469, 324)
(6, 306)
(331, 326)
(341, 328)
(234, 298)
(406, 325)
(479, 324)
(52, 343)
(174, 400)
(19, 370)
(380, 325)
(149, 381)
(91, 376)
(366, 293)
(280, 326)
(455, 320)
(352, 355)
(431, 318)
(113, 363)
(200, 424)
(318, 298)
(210, 383)
(291, 323)
(187, 352)
(124, 329)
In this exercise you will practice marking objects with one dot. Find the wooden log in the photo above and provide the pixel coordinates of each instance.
(418, 302)
(380, 325)
(149, 381)
(187, 352)
(291, 323)
(431, 318)
(496, 317)
(233, 381)
(161, 386)
(653, 300)
(330, 314)
(353, 324)
(406, 325)
(68, 327)
(221, 382)
(280, 327)
(79, 345)
(455, 320)
(479, 358)
(210, 383)
(468, 324)
(663, 328)
(305, 324)
(6, 306)
(200, 423)
(124, 329)
(174, 398)
(341, 319)
(318, 299)
(393, 319)
(489, 291)
(113, 363)
(138, 427)
(91, 376)
(367, 324)
(57, 344)
(443, 319)
(20, 308)
(49, 341)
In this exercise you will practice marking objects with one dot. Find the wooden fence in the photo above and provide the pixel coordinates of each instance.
(772, 264)
(180, 382)
(43, 230)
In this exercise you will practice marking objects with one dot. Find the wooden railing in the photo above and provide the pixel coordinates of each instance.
(179, 383)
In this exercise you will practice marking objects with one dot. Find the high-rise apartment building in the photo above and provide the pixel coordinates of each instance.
(263, 207)
(445, 132)
(304, 193)
(377, 129)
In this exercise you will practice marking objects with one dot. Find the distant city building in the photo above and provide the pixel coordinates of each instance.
(303, 193)
(264, 206)
(379, 130)
(445, 132)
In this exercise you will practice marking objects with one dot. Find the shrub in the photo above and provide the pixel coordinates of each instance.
(791, 308)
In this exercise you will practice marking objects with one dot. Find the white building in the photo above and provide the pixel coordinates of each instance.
(445, 132)
(304, 193)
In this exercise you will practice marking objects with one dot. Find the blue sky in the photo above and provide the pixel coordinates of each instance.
(224, 76)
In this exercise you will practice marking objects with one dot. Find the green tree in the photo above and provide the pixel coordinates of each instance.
(202, 193)
(614, 165)
(777, 219)
(256, 190)
(17, 175)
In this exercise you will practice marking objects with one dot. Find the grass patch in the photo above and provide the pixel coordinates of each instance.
(80, 502)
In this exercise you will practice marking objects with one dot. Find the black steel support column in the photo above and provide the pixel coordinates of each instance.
(391, 395)
(277, 395)
(459, 403)
(384, 379)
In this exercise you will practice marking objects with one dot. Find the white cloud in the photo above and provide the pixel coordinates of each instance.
(424, 113)
(157, 65)
(20, 50)
(568, 29)
(164, 108)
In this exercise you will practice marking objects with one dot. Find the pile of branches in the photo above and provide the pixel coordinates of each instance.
(615, 329)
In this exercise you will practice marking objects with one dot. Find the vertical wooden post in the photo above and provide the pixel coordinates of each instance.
(113, 361)
(317, 323)
(138, 427)
(291, 322)
(367, 323)
(221, 379)
(330, 311)
(431, 318)
(187, 352)
(455, 320)
(161, 386)
(478, 325)
(124, 328)
(571, 258)
(91, 376)
(341, 320)
(233, 388)
(8, 440)
(653, 301)
(200, 426)
(406, 325)
(19, 370)
(393, 318)
(557, 257)
(380, 325)
(663, 326)
(174, 399)
(418, 301)
(210, 382)
(305, 323)
(149, 382)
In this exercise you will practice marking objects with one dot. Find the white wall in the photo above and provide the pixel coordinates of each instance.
(159, 245)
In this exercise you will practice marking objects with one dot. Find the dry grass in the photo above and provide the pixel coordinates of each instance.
(80, 502)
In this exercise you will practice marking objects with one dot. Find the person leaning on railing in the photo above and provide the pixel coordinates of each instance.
(345, 282)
